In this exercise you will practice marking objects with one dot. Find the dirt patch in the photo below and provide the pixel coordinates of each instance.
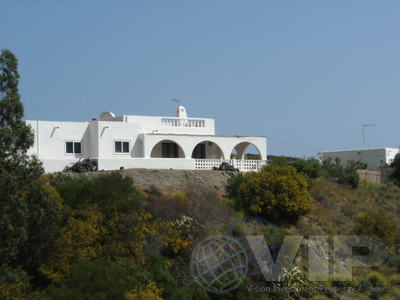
(178, 180)
(174, 180)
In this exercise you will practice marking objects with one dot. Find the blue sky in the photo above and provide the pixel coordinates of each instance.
(306, 74)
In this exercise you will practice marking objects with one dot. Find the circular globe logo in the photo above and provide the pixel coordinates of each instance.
(219, 264)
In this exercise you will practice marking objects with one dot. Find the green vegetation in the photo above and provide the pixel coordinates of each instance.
(395, 165)
(98, 236)
(313, 169)
(379, 224)
(276, 192)
(337, 172)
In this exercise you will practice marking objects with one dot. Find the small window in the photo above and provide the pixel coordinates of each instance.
(77, 148)
(125, 147)
(69, 147)
(121, 147)
(73, 147)
(118, 147)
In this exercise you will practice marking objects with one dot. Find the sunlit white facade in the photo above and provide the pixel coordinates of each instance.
(130, 141)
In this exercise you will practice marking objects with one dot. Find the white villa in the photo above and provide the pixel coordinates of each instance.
(373, 157)
(129, 141)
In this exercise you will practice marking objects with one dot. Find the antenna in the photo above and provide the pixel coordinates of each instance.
(363, 129)
(176, 100)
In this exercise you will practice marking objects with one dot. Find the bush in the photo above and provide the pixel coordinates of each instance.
(376, 223)
(14, 283)
(103, 278)
(375, 285)
(275, 192)
(340, 174)
(192, 292)
(395, 177)
(310, 167)
(110, 192)
(95, 279)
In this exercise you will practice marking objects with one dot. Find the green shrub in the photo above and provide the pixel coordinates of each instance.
(343, 175)
(310, 167)
(275, 193)
(109, 192)
(375, 285)
(395, 176)
(192, 292)
(377, 223)
(14, 282)
(394, 280)
(95, 279)
(395, 292)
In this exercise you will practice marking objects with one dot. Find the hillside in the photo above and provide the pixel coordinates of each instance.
(177, 180)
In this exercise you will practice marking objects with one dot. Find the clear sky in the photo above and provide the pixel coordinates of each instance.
(306, 74)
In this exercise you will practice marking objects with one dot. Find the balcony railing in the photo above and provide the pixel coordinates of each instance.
(244, 165)
(177, 122)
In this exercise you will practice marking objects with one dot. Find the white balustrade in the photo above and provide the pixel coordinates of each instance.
(244, 165)
(177, 122)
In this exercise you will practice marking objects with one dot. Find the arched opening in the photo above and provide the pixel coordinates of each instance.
(207, 150)
(245, 150)
(167, 149)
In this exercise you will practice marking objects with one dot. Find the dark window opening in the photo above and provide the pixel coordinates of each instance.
(121, 147)
(118, 147)
(77, 148)
(125, 147)
(69, 147)
(199, 151)
(73, 147)
(170, 150)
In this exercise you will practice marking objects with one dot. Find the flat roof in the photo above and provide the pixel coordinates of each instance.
(210, 135)
(364, 149)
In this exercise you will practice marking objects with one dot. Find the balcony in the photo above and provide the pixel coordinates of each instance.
(185, 123)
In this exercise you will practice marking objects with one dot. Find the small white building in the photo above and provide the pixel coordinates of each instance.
(374, 158)
(131, 141)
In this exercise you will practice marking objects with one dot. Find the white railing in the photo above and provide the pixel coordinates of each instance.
(177, 122)
(244, 165)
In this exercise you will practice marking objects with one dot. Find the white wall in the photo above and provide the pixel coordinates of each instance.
(153, 124)
(372, 157)
(154, 163)
(50, 138)
(109, 132)
(189, 142)
(390, 154)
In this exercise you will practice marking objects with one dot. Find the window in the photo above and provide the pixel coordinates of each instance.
(73, 147)
(121, 147)
(169, 150)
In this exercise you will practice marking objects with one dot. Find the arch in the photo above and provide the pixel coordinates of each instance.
(241, 149)
(167, 149)
(207, 150)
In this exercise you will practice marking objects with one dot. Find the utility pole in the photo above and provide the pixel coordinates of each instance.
(363, 131)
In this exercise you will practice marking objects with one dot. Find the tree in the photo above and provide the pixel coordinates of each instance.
(15, 136)
(100, 278)
(17, 171)
(396, 169)
(28, 207)
(276, 192)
